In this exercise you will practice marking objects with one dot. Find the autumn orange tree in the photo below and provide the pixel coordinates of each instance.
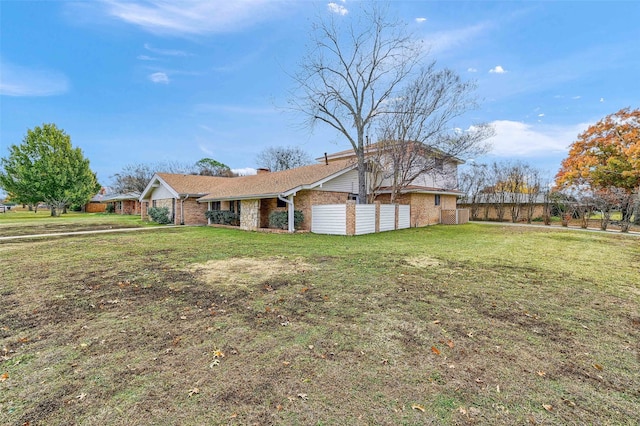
(606, 159)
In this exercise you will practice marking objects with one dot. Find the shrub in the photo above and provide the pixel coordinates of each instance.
(159, 215)
(223, 217)
(280, 220)
(111, 208)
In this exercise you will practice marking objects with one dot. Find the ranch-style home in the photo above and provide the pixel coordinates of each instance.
(179, 193)
(325, 194)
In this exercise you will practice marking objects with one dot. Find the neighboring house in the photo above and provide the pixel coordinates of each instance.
(179, 193)
(97, 203)
(127, 203)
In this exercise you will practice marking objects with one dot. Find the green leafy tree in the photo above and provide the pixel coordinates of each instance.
(211, 167)
(45, 167)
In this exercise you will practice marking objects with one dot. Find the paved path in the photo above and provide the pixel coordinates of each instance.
(99, 231)
(559, 228)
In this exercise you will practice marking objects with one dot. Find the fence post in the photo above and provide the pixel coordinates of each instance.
(351, 217)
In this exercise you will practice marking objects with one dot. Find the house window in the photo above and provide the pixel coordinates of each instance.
(281, 203)
(234, 206)
(439, 164)
(215, 205)
(437, 199)
(153, 203)
(352, 197)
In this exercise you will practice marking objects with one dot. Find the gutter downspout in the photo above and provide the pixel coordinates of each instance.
(182, 200)
(290, 210)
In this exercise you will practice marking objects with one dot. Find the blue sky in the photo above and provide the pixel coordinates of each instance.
(150, 81)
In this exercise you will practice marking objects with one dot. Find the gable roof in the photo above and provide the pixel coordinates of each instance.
(183, 185)
(270, 185)
(371, 149)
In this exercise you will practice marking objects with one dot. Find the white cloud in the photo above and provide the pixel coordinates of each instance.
(601, 100)
(576, 97)
(517, 139)
(159, 77)
(16, 80)
(191, 17)
(541, 115)
(421, 20)
(246, 171)
(498, 70)
(472, 70)
(337, 9)
(146, 58)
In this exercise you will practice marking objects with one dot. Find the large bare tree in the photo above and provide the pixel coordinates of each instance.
(355, 64)
(417, 132)
(277, 158)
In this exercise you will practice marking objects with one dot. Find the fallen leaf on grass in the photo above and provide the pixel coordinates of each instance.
(450, 343)
(541, 373)
(4, 377)
(302, 396)
(597, 367)
(435, 350)
(214, 363)
(435, 322)
(218, 354)
(417, 407)
(193, 391)
(547, 407)
(81, 396)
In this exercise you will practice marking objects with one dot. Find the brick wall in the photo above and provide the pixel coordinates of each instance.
(95, 207)
(194, 212)
(423, 206)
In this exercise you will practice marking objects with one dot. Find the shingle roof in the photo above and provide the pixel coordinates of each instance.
(192, 184)
(266, 185)
(374, 147)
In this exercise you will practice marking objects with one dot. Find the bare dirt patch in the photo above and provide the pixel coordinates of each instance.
(423, 262)
(247, 270)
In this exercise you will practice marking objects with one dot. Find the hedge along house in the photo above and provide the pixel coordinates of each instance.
(179, 193)
(432, 195)
(254, 198)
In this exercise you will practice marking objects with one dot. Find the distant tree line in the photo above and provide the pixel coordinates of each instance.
(504, 190)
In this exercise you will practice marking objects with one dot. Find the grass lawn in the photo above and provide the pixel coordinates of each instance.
(470, 324)
(23, 222)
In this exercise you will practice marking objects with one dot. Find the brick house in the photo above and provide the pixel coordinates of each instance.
(255, 197)
(333, 181)
(179, 193)
(127, 203)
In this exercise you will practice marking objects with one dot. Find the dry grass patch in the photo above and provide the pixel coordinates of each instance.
(230, 272)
